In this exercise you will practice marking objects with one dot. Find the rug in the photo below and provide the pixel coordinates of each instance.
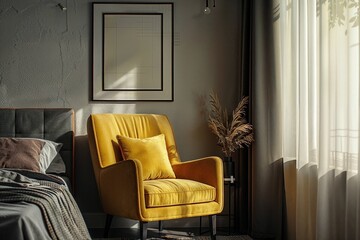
(154, 234)
(240, 237)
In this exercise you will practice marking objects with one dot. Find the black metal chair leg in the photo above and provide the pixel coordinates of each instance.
(160, 226)
(143, 230)
(212, 225)
(107, 225)
(200, 232)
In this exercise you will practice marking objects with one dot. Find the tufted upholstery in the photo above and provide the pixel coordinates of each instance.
(55, 124)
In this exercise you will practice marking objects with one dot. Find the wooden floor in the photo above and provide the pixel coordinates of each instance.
(178, 234)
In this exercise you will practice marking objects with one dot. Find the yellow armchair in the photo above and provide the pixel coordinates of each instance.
(196, 190)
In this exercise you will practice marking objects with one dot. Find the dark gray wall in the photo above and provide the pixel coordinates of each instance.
(45, 61)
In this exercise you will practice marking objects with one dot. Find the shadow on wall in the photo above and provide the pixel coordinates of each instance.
(86, 192)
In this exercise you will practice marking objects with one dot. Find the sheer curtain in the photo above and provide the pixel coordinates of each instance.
(316, 79)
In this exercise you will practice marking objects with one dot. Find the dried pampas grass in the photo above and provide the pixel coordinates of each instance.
(232, 133)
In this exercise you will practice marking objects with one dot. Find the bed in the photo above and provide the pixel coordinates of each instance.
(37, 175)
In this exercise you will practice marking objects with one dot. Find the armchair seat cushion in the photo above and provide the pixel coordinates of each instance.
(170, 192)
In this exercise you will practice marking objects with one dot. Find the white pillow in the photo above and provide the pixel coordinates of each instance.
(50, 155)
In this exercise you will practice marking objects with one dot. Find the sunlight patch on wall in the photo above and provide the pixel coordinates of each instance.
(83, 114)
(128, 80)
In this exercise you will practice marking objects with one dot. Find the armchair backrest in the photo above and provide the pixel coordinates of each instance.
(103, 129)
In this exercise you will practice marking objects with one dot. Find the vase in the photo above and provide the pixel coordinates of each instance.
(228, 167)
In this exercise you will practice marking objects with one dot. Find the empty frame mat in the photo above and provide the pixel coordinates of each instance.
(133, 51)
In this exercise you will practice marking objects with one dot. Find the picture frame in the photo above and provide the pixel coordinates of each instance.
(133, 52)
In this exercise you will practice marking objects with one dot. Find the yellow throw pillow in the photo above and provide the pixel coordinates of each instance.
(152, 154)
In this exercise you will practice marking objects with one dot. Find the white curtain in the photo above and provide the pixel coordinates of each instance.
(317, 87)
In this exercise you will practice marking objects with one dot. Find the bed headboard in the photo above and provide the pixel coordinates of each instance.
(55, 124)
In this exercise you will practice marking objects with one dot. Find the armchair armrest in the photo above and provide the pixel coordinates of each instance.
(121, 188)
(207, 170)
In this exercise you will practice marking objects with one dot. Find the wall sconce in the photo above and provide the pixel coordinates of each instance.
(207, 9)
(61, 7)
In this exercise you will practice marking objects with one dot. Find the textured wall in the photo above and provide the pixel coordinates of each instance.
(45, 61)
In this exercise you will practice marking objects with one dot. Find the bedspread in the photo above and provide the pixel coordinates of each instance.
(60, 212)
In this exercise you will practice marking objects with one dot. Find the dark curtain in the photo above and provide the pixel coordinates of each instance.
(260, 188)
(243, 215)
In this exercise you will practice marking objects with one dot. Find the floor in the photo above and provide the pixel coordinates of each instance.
(175, 234)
